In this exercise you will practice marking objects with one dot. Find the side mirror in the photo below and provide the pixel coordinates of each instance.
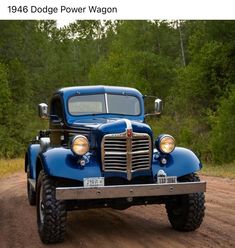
(158, 106)
(43, 110)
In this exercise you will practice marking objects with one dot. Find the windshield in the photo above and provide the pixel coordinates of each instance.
(104, 103)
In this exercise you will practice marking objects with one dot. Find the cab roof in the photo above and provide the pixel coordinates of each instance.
(98, 89)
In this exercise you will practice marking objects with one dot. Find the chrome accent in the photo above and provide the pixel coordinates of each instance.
(43, 111)
(44, 143)
(161, 173)
(158, 106)
(164, 161)
(82, 162)
(128, 124)
(129, 158)
(160, 140)
(120, 153)
(106, 102)
(77, 137)
(137, 190)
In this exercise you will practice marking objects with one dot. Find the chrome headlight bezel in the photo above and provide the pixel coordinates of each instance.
(75, 145)
(164, 140)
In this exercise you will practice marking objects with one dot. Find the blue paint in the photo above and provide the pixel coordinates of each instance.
(33, 151)
(60, 161)
(179, 163)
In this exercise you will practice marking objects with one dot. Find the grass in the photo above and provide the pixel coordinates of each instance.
(9, 166)
(225, 170)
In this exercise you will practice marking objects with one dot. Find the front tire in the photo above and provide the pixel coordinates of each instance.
(186, 212)
(51, 213)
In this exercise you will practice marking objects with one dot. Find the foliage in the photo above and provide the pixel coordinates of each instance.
(225, 170)
(189, 64)
(223, 130)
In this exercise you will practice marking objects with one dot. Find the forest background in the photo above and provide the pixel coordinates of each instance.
(188, 64)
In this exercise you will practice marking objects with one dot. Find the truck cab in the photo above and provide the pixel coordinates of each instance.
(99, 152)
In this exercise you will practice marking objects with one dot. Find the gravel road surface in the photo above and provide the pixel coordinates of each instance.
(137, 227)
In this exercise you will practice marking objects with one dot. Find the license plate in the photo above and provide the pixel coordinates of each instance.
(92, 182)
(163, 180)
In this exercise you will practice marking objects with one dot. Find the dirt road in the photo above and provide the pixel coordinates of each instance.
(136, 227)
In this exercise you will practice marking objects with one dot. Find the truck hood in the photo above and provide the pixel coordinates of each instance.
(94, 122)
(112, 125)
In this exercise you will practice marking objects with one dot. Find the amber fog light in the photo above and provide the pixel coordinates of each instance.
(80, 145)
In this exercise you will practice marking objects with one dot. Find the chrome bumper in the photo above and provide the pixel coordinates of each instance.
(122, 191)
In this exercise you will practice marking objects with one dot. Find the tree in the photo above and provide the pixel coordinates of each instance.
(223, 130)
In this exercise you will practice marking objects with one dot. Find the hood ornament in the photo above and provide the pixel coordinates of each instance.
(129, 133)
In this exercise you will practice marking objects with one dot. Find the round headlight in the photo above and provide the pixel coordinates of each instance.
(166, 144)
(80, 145)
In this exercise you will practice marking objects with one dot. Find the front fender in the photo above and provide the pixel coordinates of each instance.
(61, 162)
(31, 156)
(179, 163)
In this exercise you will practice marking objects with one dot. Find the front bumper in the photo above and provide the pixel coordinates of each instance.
(123, 191)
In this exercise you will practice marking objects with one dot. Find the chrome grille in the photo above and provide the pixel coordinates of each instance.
(126, 154)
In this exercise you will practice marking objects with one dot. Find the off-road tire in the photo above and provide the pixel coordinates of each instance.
(52, 226)
(186, 212)
(30, 191)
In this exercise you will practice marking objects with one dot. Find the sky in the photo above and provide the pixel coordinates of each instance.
(61, 22)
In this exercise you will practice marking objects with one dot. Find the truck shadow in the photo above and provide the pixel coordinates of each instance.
(133, 227)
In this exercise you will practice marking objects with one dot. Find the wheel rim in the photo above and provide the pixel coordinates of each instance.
(41, 206)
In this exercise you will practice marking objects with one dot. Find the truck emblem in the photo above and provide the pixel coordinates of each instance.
(129, 133)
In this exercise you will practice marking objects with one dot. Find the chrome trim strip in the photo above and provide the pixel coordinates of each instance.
(128, 124)
(129, 150)
(129, 158)
(106, 102)
(138, 190)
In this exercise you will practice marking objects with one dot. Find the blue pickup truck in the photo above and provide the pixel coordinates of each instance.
(98, 152)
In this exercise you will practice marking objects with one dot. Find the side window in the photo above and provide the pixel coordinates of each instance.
(56, 107)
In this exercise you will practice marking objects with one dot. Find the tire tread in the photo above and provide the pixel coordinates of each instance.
(54, 227)
(194, 210)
